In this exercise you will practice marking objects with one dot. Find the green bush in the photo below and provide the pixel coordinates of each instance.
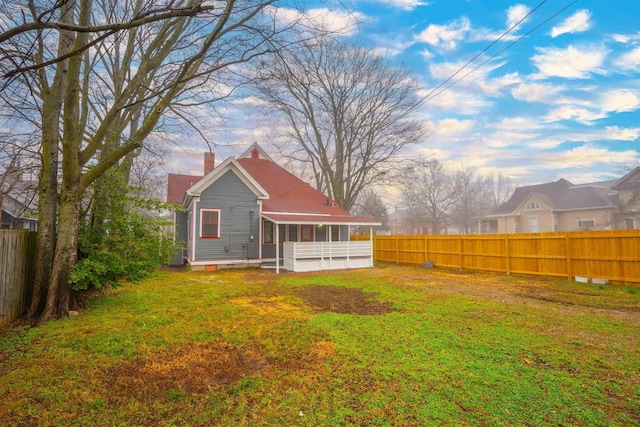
(128, 245)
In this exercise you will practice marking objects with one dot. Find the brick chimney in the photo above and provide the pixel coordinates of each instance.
(209, 162)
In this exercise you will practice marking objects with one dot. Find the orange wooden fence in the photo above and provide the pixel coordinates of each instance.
(611, 255)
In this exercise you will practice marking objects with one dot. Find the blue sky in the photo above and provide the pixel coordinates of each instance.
(564, 101)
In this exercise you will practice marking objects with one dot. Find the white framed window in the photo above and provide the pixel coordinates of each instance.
(267, 232)
(586, 224)
(533, 224)
(210, 223)
(532, 206)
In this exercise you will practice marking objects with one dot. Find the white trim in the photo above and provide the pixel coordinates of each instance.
(299, 213)
(193, 221)
(285, 221)
(233, 165)
(584, 220)
(227, 261)
(218, 231)
(263, 154)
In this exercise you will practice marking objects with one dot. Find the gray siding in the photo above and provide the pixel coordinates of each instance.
(180, 232)
(235, 202)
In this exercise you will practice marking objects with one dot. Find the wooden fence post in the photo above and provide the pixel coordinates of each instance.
(397, 250)
(426, 249)
(460, 252)
(507, 255)
(567, 248)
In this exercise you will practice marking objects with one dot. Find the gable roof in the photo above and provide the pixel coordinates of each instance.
(630, 180)
(285, 197)
(233, 165)
(293, 200)
(558, 195)
(178, 185)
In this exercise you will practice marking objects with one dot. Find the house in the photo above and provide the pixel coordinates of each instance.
(249, 211)
(553, 206)
(627, 214)
(18, 203)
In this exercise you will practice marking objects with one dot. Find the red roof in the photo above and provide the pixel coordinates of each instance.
(178, 186)
(288, 193)
(290, 199)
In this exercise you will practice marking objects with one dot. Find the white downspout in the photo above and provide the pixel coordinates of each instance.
(277, 233)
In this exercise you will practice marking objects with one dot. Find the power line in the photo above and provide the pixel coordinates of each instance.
(434, 92)
(499, 52)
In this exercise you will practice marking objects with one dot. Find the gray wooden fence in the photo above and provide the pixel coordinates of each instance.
(17, 266)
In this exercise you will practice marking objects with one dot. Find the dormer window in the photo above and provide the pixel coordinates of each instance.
(532, 206)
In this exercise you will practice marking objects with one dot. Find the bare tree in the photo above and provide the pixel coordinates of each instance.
(430, 187)
(499, 189)
(370, 205)
(347, 111)
(93, 114)
(471, 198)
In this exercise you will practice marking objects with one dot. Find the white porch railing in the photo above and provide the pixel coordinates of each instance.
(313, 256)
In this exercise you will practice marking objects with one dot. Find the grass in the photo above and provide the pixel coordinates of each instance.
(252, 348)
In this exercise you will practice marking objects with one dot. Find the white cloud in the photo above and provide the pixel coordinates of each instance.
(620, 100)
(517, 123)
(407, 5)
(446, 36)
(621, 134)
(570, 63)
(516, 13)
(626, 38)
(587, 156)
(337, 21)
(629, 60)
(453, 127)
(580, 115)
(536, 92)
(576, 23)
(464, 103)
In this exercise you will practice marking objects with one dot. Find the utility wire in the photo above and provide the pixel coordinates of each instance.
(494, 55)
(434, 92)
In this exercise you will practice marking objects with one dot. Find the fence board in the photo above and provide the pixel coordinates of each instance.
(613, 255)
(17, 252)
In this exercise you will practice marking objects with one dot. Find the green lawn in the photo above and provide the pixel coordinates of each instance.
(393, 345)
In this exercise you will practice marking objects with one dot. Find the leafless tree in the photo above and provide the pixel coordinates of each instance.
(498, 188)
(101, 75)
(430, 187)
(371, 206)
(348, 113)
(472, 197)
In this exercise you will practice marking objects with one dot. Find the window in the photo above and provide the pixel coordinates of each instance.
(306, 233)
(210, 223)
(267, 232)
(586, 224)
(533, 224)
(533, 205)
(335, 233)
(293, 233)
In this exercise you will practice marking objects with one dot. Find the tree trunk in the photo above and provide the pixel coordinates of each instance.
(59, 289)
(47, 210)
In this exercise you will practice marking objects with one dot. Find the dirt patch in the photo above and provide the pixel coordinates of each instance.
(338, 299)
(196, 368)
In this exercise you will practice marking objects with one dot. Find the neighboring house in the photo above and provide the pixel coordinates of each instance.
(553, 206)
(18, 204)
(250, 211)
(627, 214)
